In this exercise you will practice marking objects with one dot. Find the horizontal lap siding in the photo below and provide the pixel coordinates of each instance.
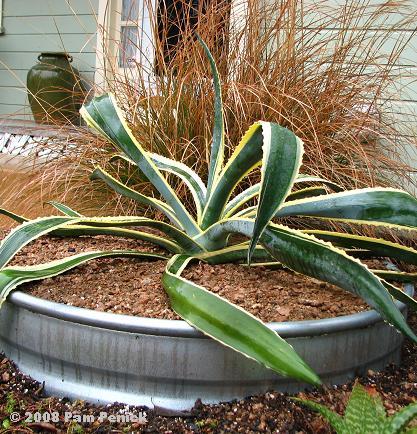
(43, 25)
(399, 101)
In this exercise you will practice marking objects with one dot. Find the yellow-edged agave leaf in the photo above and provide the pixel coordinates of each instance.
(65, 209)
(180, 237)
(217, 143)
(122, 189)
(376, 246)
(240, 199)
(400, 295)
(103, 114)
(381, 206)
(78, 230)
(27, 232)
(396, 276)
(307, 179)
(13, 216)
(235, 253)
(230, 324)
(188, 176)
(306, 192)
(11, 277)
(245, 196)
(312, 257)
(244, 159)
(280, 152)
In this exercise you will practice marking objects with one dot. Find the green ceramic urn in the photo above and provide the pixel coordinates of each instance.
(54, 89)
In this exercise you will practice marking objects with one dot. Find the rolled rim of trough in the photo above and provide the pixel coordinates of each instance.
(180, 328)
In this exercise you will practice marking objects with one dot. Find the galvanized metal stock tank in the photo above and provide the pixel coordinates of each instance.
(105, 357)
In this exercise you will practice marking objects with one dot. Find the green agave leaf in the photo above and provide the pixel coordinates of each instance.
(66, 210)
(217, 144)
(306, 192)
(77, 230)
(398, 422)
(11, 277)
(231, 325)
(12, 215)
(240, 199)
(181, 238)
(364, 412)
(234, 254)
(244, 159)
(376, 206)
(307, 179)
(188, 176)
(315, 258)
(377, 246)
(396, 276)
(122, 189)
(103, 114)
(335, 420)
(27, 232)
(400, 295)
(280, 151)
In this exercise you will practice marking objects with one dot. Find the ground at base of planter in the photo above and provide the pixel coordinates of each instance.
(272, 412)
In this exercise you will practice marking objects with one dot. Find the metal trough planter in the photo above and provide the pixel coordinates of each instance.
(104, 357)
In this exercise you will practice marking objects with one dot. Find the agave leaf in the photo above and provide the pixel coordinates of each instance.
(306, 192)
(246, 195)
(27, 232)
(400, 295)
(375, 206)
(235, 253)
(280, 151)
(244, 159)
(240, 199)
(188, 176)
(396, 276)
(335, 420)
(231, 325)
(77, 230)
(378, 246)
(315, 258)
(12, 215)
(303, 179)
(181, 238)
(103, 114)
(364, 412)
(122, 189)
(65, 209)
(11, 277)
(217, 144)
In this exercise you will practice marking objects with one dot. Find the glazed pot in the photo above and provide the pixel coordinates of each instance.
(55, 90)
(104, 357)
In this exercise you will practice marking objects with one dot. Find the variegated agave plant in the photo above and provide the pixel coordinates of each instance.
(205, 235)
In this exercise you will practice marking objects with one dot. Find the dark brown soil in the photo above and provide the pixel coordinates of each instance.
(133, 286)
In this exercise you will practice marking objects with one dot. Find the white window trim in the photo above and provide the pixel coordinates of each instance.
(109, 31)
